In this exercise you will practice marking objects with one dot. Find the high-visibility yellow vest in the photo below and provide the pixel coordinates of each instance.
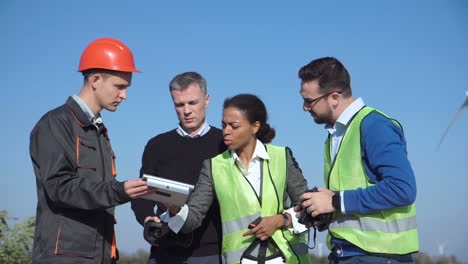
(240, 205)
(391, 231)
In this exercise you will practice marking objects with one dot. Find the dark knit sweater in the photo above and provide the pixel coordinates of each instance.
(172, 156)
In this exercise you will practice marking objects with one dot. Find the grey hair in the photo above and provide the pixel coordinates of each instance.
(183, 80)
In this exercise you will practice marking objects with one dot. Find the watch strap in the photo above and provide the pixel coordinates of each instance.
(286, 221)
(336, 200)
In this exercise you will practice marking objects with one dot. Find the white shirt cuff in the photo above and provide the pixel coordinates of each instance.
(176, 222)
(297, 228)
(342, 202)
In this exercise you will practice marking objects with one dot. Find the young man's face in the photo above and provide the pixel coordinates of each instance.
(111, 89)
(316, 103)
(190, 105)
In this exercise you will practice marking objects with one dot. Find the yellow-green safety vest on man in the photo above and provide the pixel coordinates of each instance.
(240, 205)
(391, 231)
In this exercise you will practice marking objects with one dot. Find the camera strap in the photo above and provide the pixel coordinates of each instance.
(315, 236)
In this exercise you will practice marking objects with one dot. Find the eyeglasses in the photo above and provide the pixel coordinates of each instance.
(311, 102)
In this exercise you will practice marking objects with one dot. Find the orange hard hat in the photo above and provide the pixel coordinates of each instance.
(109, 54)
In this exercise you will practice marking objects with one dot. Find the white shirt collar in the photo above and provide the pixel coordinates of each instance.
(205, 128)
(259, 152)
(346, 116)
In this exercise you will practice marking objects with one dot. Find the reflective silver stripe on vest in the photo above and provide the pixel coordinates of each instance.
(239, 224)
(233, 256)
(372, 224)
(300, 249)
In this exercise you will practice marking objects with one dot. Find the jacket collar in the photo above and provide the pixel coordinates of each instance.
(78, 113)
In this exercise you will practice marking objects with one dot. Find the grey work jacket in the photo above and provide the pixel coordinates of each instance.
(76, 188)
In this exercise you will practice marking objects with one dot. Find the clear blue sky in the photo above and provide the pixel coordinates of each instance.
(406, 58)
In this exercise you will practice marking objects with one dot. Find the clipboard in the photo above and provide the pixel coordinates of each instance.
(168, 191)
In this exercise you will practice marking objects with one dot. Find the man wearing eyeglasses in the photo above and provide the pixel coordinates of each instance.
(370, 187)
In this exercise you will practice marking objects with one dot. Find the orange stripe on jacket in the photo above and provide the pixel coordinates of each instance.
(114, 244)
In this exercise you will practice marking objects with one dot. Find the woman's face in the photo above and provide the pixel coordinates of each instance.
(237, 130)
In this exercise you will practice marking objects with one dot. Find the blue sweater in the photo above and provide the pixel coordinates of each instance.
(386, 163)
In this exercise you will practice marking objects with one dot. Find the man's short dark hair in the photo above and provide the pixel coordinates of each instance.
(330, 73)
(89, 72)
(183, 80)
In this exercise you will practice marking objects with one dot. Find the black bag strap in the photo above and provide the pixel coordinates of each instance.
(248, 252)
(262, 252)
(262, 258)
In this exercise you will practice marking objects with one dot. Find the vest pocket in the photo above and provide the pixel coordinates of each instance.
(76, 236)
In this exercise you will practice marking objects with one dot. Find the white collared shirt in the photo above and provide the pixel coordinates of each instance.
(253, 172)
(205, 128)
(338, 129)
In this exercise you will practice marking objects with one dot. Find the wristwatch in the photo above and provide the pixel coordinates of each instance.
(336, 200)
(286, 221)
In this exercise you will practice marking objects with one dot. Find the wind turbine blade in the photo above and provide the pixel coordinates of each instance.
(465, 104)
(460, 111)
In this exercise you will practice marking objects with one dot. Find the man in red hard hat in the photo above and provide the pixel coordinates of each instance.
(74, 164)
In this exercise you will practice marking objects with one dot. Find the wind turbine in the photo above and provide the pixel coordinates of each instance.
(457, 115)
(441, 247)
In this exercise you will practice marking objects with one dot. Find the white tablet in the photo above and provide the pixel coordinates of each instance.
(168, 191)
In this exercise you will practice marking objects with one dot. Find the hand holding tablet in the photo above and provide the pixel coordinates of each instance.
(167, 191)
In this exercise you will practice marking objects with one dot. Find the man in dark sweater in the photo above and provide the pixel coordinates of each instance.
(178, 155)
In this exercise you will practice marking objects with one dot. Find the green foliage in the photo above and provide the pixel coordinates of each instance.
(16, 242)
(139, 257)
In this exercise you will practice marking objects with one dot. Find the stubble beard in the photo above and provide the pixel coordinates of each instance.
(322, 119)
